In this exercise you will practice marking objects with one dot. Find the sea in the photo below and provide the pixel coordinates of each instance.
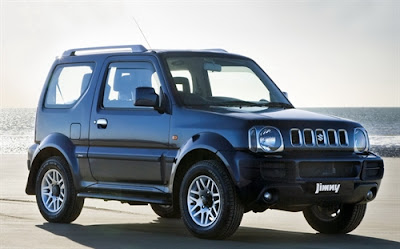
(382, 124)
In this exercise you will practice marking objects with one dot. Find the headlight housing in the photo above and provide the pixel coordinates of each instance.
(361, 141)
(265, 139)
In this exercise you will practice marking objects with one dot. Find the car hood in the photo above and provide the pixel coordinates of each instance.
(234, 123)
(251, 113)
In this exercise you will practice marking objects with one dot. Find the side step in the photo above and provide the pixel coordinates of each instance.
(132, 199)
(134, 194)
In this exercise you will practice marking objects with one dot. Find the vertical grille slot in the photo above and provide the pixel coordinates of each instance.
(308, 137)
(343, 138)
(332, 137)
(295, 137)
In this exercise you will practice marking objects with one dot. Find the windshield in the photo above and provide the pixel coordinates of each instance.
(215, 81)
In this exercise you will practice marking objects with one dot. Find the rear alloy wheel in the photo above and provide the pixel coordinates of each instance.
(342, 218)
(55, 192)
(209, 204)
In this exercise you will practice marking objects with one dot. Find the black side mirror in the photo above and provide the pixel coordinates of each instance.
(146, 96)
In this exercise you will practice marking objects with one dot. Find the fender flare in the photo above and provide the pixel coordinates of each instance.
(64, 146)
(214, 143)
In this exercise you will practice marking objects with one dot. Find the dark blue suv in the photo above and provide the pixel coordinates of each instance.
(203, 135)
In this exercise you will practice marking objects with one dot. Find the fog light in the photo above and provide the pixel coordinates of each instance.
(370, 195)
(267, 196)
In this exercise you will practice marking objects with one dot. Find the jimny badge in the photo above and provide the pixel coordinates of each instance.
(327, 188)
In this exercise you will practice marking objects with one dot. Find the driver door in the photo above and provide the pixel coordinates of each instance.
(127, 142)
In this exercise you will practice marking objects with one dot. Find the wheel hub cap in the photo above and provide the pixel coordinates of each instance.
(56, 190)
(207, 199)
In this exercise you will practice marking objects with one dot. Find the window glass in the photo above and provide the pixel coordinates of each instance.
(122, 80)
(223, 81)
(237, 82)
(67, 85)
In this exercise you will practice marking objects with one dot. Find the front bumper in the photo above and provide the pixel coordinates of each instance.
(295, 181)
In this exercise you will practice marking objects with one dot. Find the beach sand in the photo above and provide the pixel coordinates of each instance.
(115, 225)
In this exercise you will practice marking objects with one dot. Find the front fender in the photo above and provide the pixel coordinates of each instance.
(213, 143)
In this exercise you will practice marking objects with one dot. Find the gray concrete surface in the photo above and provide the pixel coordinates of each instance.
(114, 225)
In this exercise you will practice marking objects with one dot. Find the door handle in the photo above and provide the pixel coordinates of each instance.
(101, 123)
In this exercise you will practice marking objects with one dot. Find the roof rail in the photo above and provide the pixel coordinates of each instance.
(216, 50)
(93, 50)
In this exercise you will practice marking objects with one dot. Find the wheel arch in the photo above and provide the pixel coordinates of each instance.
(55, 144)
(202, 146)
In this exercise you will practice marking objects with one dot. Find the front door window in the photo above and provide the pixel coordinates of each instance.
(122, 80)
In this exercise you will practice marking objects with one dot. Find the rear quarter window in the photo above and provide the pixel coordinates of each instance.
(67, 85)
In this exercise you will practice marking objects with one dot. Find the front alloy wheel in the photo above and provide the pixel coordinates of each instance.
(210, 206)
(203, 201)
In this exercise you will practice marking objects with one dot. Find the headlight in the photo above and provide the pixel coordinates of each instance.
(265, 139)
(361, 143)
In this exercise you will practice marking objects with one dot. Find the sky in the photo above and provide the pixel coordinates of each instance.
(323, 53)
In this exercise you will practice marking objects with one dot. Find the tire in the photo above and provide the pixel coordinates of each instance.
(166, 211)
(337, 219)
(55, 192)
(209, 204)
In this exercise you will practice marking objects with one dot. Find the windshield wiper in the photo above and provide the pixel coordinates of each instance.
(241, 103)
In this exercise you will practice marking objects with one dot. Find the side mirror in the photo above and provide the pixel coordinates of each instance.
(286, 94)
(146, 96)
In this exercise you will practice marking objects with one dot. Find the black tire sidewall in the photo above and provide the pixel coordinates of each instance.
(57, 164)
(349, 218)
(166, 211)
(197, 170)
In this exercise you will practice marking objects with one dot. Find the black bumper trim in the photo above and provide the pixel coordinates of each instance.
(293, 190)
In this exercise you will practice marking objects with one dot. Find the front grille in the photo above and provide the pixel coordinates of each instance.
(319, 137)
(329, 169)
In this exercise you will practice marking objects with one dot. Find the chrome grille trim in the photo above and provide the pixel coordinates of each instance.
(332, 137)
(319, 137)
(295, 135)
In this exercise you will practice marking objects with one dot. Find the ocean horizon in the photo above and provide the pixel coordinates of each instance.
(382, 123)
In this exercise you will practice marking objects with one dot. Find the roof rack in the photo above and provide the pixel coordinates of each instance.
(94, 50)
(216, 50)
